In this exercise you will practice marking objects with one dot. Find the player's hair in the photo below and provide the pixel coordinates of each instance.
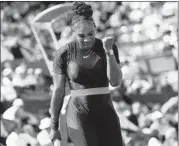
(81, 11)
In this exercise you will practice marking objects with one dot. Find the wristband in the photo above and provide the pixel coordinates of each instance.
(110, 52)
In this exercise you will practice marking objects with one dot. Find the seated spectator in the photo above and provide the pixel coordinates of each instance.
(161, 125)
(29, 129)
(133, 118)
(12, 139)
(129, 70)
(40, 78)
(16, 113)
(43, 136)
(153, 141)
(8, 91)
(19, 78)
(31, 79)
(140, 86)
(165, 86)
(171, 137)
(136, 108)
(137, 111)
(6, 54)
(121, 106)
(8, 72)
(28, 136)
(25, 140)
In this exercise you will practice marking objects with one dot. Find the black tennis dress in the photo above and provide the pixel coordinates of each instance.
(91, 120)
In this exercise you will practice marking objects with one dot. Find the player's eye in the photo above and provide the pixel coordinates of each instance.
(90, 34)
(81, 35)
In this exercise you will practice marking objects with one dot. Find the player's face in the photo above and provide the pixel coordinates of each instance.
(84, 32)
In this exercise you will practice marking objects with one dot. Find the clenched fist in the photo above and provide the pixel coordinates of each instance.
(108, 43)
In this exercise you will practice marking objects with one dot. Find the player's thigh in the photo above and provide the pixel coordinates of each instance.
(80, 127)
(85, 135)
(109, 128)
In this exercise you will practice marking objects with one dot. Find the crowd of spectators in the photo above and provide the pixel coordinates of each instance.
(154, 124)
(140, 29)
(14, 82)
(129, 22)
(142, 124)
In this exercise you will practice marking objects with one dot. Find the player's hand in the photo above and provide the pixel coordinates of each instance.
(55, 137)
(57, 143)
(108, 43)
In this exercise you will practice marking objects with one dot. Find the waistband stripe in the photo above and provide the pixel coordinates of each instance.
(90, 91)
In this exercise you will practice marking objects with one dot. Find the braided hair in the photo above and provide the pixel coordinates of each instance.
(81, 11)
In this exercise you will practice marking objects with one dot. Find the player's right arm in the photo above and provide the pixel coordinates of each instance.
(59, 79)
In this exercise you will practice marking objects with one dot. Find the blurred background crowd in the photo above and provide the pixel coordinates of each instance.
(146, 101)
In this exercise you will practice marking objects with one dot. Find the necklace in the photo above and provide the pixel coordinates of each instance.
(89, 54)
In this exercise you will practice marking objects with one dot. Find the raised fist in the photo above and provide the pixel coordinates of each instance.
(108, 43)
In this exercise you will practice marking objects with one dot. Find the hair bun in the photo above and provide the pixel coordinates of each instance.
(81, 8)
